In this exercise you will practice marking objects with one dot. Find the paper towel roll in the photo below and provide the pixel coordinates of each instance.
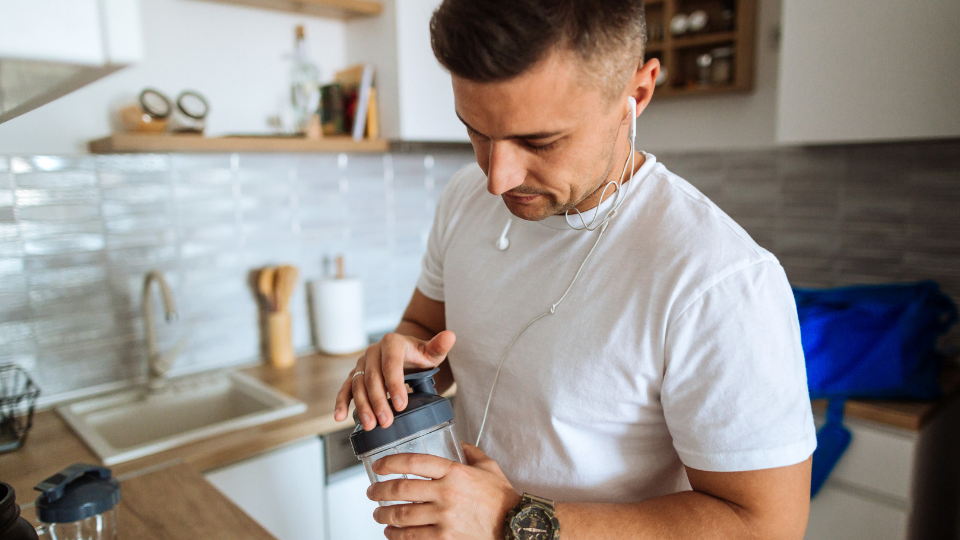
(338, 315)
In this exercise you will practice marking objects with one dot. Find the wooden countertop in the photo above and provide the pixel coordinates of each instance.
(909, 415)
(191, 508)
(314, 379)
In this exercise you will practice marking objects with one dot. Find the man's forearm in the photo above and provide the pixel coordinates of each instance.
(682, 515)
(772, 504)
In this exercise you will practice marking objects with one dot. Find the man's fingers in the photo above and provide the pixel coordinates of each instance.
(364, 412)
(403, 489)
(423, 465)
(438, 347)
(342, 404)
(376, 392)
(406, 515)
(427, 532)
(394, 355)
(473, 454)
(476, 458)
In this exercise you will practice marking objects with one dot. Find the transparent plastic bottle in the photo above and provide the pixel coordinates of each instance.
(425, 426)
(304, 83)
(78, 503)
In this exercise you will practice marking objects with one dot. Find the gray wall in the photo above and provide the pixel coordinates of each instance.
(78, 233)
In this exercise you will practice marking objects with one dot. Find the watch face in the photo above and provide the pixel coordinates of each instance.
(532, 523)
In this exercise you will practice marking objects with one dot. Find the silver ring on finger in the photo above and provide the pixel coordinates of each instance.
(355, 375)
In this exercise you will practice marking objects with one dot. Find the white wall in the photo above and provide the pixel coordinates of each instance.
(897, 79)
(725, 121)
(232, 55)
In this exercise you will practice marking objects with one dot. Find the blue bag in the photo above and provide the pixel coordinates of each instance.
(869, 341)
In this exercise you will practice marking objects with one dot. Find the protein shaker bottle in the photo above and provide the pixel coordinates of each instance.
(79, 502)
(424, 427)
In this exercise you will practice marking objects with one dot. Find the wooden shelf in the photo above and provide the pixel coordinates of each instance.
(663, 92)
(126, 143)
(333, 9)
(713, 38)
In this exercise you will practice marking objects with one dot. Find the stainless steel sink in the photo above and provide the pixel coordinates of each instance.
(134, 423)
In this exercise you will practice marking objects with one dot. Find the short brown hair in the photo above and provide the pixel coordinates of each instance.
(496, 40)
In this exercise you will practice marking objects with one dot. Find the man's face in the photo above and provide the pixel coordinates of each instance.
(546, 139)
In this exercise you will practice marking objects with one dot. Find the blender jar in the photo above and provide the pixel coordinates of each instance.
(78, 503)
(426, 426)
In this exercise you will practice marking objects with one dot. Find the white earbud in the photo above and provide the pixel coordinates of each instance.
(503, 242)
(633, 119)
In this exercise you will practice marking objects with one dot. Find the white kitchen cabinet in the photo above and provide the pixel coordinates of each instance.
(49, 48)
(893, 483)
(838, 512)
(414, 91)
(349, 511)
(282, 490)
(864, 70)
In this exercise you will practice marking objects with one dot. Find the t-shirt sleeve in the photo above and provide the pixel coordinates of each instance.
(430, 282)
(735, 387)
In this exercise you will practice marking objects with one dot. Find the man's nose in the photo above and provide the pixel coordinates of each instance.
(507, 169)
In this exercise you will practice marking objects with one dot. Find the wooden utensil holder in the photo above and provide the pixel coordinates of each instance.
(279, 341)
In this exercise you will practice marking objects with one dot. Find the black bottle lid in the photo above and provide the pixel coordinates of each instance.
(12, 525)
(425, 409)
(75, 493)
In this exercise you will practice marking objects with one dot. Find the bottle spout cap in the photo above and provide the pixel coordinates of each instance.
(422, 382)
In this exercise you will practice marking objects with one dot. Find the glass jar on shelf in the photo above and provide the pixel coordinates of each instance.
(722, 68)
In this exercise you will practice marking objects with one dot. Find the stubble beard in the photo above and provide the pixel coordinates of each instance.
(555, 207)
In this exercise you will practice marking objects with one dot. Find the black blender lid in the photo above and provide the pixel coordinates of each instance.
(425, 409)
(75, 493)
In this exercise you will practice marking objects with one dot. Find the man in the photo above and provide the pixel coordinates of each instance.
(640, 353)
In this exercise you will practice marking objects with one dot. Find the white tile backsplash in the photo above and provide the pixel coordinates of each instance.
(77, 234)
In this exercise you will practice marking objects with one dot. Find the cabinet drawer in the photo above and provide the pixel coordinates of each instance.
(839, 514)
(879, 459)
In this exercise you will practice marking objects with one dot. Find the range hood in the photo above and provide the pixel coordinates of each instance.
(49, 48)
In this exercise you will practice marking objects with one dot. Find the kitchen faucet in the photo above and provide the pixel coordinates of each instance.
(157, 363)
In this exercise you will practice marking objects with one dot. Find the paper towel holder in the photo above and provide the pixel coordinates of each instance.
(337, 312)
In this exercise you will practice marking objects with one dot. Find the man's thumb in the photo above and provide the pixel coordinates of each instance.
(440, 345)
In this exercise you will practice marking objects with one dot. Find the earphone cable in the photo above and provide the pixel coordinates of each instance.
(553, 308)
(617, 201)
(603, 227)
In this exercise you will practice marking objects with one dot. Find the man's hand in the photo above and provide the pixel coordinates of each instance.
(460, 502)
(382, 365)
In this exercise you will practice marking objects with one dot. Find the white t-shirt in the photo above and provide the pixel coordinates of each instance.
(679, 344)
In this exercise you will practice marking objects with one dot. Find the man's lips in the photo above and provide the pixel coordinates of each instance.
(521, 198)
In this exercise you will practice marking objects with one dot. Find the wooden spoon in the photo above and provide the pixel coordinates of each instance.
(286, 282)
(266, 287)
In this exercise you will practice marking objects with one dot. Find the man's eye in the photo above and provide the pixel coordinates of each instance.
(541, 148)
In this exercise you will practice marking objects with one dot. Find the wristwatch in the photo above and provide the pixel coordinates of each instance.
(532, 519)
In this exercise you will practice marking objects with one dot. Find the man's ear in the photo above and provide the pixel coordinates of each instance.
(643, 82)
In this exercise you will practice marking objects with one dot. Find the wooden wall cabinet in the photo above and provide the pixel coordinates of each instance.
(731, 25)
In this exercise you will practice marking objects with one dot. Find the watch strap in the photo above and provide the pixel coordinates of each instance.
(528, 498)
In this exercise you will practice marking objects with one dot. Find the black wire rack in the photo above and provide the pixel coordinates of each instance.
(18, 397)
